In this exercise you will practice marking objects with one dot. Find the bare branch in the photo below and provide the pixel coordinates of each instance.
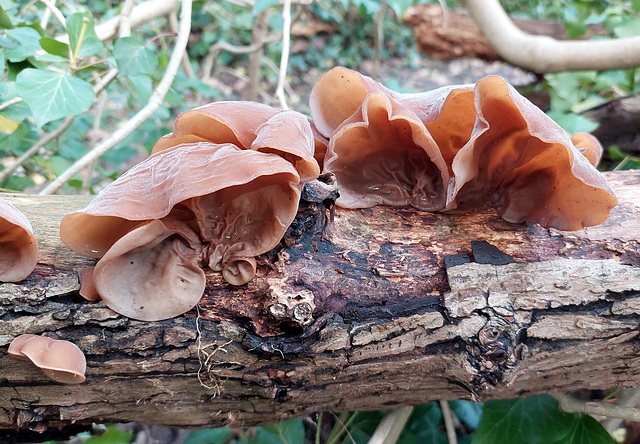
(570, 404)
(630, 398)
(544, 54)
(391, 426)
(448, 422)
(10, 102)
(124, 29)
(284, 58)
(186, 65)
(154, 103)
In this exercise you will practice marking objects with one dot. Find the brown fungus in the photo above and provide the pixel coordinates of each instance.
(61, 361)
(194, 205)
(250, 126)
(522, 163)
(18, 245)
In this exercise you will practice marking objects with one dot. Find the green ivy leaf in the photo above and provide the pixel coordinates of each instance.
(52, 95)
(90, 44)
(628, 28)
(532, 420)
(261, 5)
(635, 4)
(208, 436)
(28, 43)
(586, 430)
(400, 7)
(111, 436)
(287, 432)
(134, 58)
(425, 425)
(573, 123)
(469, 412)
(5, 20)
(55, 47)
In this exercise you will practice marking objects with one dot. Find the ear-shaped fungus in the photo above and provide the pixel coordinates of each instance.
(522, 163)
(61, 361)
(193, 205)
(18, 245)
(398, 162)
(250, 126)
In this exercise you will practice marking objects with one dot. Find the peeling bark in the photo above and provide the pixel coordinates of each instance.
(372, 309)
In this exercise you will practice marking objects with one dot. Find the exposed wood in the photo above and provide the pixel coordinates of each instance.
(407, 310)
(461, 37)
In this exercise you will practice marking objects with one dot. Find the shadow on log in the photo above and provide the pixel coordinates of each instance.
(364, 309)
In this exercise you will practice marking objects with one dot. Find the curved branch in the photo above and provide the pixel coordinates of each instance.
(154, 103)
(544, 54)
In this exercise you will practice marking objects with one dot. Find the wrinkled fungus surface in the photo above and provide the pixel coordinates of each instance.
(18, 245)
(455, 149)
(220, 190)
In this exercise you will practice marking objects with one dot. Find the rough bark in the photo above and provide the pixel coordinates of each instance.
(372, 309)
(459, 36)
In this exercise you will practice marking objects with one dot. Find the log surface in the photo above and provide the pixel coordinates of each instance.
(363, 309)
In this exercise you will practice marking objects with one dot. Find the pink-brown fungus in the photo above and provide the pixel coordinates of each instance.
(18, 245)
(191, 206)
(522, 163)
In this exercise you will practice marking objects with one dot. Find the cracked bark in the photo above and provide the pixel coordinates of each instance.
(376, 308)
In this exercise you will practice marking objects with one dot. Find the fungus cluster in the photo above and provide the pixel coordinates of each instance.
(457, 149)
(18, 245)
(220, 190)
(61, 361)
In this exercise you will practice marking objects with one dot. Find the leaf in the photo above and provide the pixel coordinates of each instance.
(5, 20)
(288, 432)
(586, 430)
(425, 423)
(468, 412)
(635, 4)
(111, 436)
(400, 7)
(208, 436)
(53, 46)
(628, 28)
(90, 44)
(8, 126)
(532, 420)
(28, 43)
(261, 5)
(133, 58)
(52, 95)
(573, 123)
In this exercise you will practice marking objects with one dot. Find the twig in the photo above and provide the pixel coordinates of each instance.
(55, 11)
(154, 103)
(10, 102)
(124, 25)
(186, 65)
(378, 39)
(97, 120)
(258, 33)
(448, 422)
(284, 58)
(390, 427)
(630, 398)
(570, 404)
(445, 13)
(66, 123)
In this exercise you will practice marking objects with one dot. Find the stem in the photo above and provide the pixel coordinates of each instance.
(448, 422)
(83, 30)
(284, 59)
(391, 426)
(571, 405)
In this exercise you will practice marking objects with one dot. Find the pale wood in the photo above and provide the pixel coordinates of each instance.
(390, 324)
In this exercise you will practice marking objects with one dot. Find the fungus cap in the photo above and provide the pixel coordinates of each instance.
(61, 361)
(18, 245)
(523, 164)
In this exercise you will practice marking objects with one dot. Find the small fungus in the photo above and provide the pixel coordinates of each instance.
(61, 361)
(18, 245)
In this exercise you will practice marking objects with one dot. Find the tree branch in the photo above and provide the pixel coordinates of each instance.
(154, 103)
(544, 54)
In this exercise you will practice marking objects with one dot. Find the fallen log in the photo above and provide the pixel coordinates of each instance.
(355, 309)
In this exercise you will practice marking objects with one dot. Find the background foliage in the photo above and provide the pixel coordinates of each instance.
(58, 99)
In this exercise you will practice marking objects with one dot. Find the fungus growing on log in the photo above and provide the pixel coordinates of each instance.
(487, 146)
(61, 361)
(194, 205)
(18, 245)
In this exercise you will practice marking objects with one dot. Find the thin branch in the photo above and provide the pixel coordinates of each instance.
(571, 405)
(154, 103)
(543, 54)
(284, 58)
(55, 11)
(10, 102)
(258, 33)
(94, 138)
(390, 427)
(124, 26)
(378, 38)
(186, 65)
(449, 425)
(630, 398)
(46, 138)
